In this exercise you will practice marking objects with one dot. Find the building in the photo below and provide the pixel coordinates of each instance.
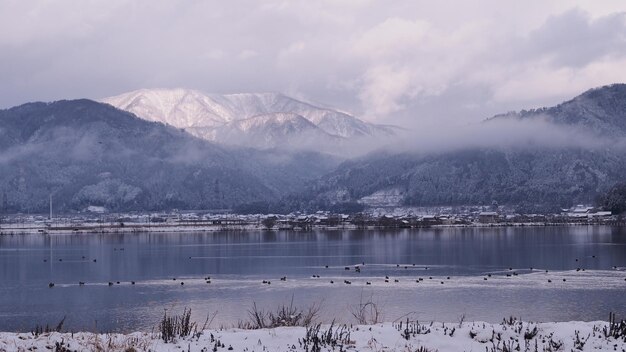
(488, 217)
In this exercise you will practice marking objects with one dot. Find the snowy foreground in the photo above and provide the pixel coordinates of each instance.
(468, 336)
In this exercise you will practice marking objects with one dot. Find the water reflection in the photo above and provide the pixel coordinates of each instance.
(238, 261)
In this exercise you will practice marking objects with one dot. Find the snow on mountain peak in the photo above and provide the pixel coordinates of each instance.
(208, 115)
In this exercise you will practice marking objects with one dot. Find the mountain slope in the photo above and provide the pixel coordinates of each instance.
(87, 153)
(600, 110)
(207, 116)
(268, 131)
(519, 174)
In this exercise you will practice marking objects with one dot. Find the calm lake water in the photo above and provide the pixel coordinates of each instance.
(238, 263)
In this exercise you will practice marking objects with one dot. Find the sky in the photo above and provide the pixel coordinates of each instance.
(409, 63)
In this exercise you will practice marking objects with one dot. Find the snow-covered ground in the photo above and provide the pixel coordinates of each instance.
(459, 336)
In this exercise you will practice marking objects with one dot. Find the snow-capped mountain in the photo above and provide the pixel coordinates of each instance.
(251, 119)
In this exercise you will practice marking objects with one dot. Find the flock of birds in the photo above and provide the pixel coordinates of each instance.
(357, 269)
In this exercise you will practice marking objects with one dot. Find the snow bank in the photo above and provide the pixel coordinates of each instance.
(465, 336)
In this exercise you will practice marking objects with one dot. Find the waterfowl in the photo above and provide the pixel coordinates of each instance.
(51, 285)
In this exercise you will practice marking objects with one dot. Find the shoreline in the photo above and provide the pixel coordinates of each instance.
(399, 336)
(115, 228)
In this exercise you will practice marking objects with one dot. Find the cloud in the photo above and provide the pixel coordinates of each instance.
(392, 38)
(406, 62)
(574, 39)
(505, 133)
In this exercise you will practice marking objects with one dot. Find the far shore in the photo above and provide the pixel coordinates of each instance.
(117, 228)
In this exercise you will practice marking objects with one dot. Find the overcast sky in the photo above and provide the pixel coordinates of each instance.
(405, 62)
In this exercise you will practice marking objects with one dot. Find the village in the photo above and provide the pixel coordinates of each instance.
(98, 220)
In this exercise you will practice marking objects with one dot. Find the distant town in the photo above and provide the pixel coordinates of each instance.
(98, 220)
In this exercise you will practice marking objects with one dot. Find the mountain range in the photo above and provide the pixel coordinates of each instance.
(174, 149)
(262, 120)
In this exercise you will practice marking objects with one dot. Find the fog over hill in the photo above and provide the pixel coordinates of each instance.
(541, 158)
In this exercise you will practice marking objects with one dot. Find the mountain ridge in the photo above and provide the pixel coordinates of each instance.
(601, 110)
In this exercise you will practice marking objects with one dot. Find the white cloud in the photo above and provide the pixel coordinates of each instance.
(392, 38)
(399, 61)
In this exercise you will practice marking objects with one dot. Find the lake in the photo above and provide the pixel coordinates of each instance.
(238, 262)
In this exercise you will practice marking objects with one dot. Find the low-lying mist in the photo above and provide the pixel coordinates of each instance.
(502, 133)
